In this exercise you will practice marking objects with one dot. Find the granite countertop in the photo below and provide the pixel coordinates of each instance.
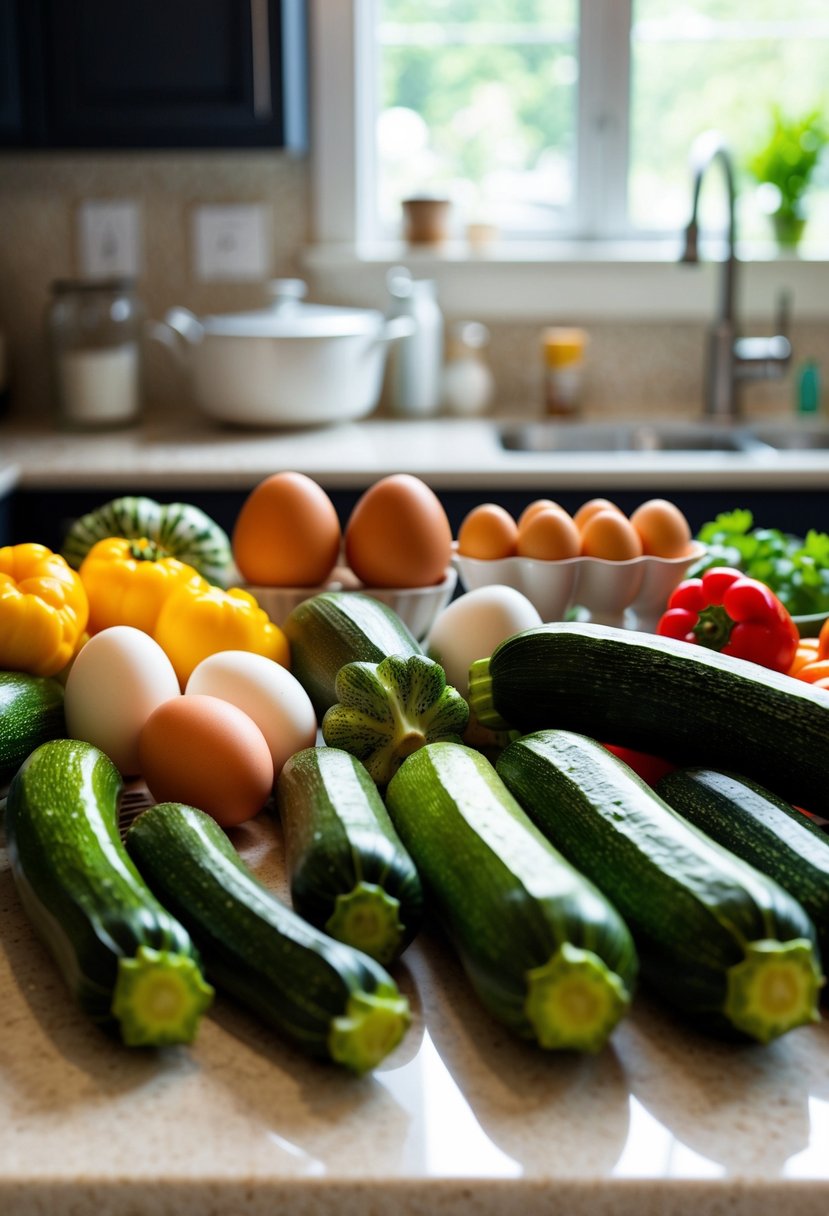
(449, 454)
(461, 1119)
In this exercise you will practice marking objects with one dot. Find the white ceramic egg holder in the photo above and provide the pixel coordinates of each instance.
(630, 594)
(417, 607)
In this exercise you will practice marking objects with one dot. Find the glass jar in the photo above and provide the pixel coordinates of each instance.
(94, 330)
(563, 350)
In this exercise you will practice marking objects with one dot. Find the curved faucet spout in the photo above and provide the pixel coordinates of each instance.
(730, 359)
(707, 148)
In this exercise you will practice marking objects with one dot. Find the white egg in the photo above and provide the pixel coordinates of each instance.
(267, 692)
(473, 625)
(116, 681)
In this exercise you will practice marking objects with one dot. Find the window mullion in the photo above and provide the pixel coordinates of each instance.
(342, 86)
(603, 122)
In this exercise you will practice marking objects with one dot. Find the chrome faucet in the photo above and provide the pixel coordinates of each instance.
(731, 359)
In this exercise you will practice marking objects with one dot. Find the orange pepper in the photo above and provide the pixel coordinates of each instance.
(807, 652)
(823, 640)
(811, 672)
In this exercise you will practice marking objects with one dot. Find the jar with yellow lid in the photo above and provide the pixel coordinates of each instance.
(563, 357)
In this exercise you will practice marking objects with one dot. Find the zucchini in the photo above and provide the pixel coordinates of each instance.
(333, 628)
(179, 529)
(349, 873)
(765, 831)
(545, 952)
(385, 711)
(720, 941)
(327, 998)
(31, 713)
(689, 705)
(129, 964)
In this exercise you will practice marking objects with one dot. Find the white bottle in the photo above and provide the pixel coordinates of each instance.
(468, 383)
(415, 363)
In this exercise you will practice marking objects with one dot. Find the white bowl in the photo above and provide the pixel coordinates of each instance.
(632, 593)
(417, 607)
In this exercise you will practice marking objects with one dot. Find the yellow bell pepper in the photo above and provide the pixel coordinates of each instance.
(199, 621)
(127, 582)
(43, 610)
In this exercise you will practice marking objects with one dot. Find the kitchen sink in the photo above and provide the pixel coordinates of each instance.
(798, 435)
(626, 437)
(795, 435)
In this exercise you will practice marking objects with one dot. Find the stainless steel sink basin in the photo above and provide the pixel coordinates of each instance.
(794, 435)
(626, 437)
(798, 435)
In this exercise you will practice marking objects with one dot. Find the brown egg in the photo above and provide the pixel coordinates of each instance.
(538, 504)
(287, 533)
(611, 535)
(663, 529)
(488, 532)
(550, 535)
(588, 509)
(398, 534)
(207, 753)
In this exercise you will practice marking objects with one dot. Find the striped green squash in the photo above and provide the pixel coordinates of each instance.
(179, 529)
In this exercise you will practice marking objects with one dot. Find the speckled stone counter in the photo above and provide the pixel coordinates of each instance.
(461, 1119)
(448, 453)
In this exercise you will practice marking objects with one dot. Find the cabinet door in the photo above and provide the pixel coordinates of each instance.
(172, 73)
(11, 112)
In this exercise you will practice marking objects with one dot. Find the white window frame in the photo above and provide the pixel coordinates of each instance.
(598, 272)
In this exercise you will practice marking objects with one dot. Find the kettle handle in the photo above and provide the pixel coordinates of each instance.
(395, 328)
(180, 327)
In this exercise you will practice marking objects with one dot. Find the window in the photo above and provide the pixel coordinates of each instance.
(559, 119)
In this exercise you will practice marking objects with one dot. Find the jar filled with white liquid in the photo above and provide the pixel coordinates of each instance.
(94, 330)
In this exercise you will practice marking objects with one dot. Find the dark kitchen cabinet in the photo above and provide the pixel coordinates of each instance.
(153, 74)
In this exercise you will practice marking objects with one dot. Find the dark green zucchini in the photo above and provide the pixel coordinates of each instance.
(348, 870)
(130, 965)
(325, 997)
(31, 713)
(338, 627)
(544, 950)
(720, 941)
(687, 704)
(761, 828)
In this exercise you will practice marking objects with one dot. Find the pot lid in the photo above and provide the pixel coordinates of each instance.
(290, 317)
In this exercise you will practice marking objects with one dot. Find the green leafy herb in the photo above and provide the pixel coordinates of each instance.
(797, 570)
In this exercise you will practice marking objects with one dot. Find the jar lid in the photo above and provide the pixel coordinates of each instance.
(563, 345)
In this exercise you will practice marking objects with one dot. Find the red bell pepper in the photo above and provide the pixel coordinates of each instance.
(727, 611)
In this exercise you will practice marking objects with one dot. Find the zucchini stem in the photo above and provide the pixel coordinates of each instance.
(368, 919)
(159, 998)
(574, 1000)
(480, 696)
(774, 988)
(371, 1027)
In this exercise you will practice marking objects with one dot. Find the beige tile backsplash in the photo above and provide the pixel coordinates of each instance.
(631, 368)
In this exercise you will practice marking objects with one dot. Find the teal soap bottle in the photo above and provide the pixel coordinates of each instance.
(808, 388)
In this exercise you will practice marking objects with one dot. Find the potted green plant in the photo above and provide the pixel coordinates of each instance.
(786, 162)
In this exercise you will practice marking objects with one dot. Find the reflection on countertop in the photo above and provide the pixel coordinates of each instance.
(461, 1118)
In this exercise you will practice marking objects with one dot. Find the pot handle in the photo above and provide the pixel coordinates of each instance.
(395, 328)
(180, 327)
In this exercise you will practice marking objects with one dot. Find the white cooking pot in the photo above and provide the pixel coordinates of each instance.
(293, 364)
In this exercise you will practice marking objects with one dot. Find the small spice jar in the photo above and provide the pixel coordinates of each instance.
(563, 357)
(94, 331)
